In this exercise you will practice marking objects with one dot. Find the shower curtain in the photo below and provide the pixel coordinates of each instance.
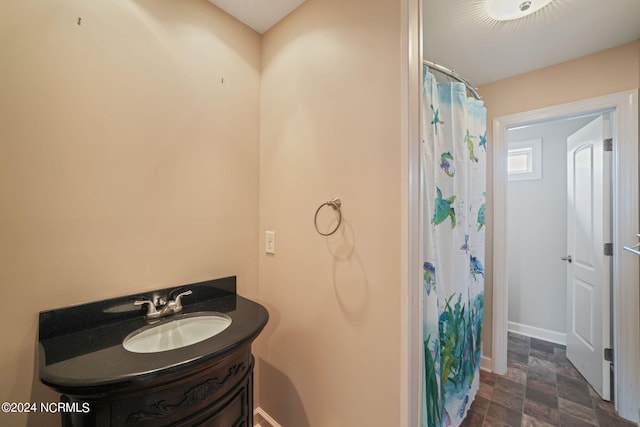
(454, 192)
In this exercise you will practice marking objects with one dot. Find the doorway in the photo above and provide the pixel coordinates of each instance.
(536, 212)
(624, 108)
(559, 281)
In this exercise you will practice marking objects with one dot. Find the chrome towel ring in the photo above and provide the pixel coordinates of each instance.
(335, 203)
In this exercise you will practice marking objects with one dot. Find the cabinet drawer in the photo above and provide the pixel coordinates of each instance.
(169, 403)
(234, 413)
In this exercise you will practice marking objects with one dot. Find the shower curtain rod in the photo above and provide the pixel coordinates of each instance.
(455, 76)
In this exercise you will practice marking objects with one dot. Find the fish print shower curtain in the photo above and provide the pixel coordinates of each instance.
(453, 173)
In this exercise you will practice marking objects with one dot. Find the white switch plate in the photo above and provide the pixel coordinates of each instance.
(270, 242)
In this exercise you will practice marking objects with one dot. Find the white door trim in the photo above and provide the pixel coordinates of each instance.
(626, 277)
(411, 245)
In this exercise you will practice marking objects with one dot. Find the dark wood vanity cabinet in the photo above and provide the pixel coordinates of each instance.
(218, 393)
(103, 384)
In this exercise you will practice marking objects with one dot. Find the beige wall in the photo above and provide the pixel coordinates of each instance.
(144, 148)
(126, 163)
(330, 126)
(130, 148)
(602, 73)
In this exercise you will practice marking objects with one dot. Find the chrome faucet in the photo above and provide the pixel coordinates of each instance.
(162, 308)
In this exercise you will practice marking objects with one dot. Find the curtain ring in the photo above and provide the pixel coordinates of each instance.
(335, 203)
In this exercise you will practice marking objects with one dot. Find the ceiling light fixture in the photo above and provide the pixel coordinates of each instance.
(506, 10)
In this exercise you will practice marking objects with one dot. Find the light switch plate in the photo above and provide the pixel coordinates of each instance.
(270, 242)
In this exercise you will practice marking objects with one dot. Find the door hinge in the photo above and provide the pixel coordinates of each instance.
(608, 144)
(608, 354)
(608, 249)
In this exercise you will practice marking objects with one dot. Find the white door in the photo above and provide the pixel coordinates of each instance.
(588, 269)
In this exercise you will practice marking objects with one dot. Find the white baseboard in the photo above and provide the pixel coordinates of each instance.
(534, 332)
(265, 419)
(486, 364)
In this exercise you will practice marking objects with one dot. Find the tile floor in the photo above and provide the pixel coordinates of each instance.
(541, 388)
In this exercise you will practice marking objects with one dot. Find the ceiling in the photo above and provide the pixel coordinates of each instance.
(258, 14)
(460, 36)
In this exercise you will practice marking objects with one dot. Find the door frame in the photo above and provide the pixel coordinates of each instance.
(411, 347)
(626, 276)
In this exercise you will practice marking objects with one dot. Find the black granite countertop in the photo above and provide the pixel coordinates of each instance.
(80, 347)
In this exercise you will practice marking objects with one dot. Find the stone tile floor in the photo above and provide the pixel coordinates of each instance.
(541, 388)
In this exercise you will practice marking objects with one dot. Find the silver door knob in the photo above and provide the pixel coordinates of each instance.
(566, 258)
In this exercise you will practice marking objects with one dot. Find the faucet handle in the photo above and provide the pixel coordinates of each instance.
(178, 300)
(182, 294)
(151, 309)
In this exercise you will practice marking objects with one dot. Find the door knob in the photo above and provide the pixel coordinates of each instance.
(566, 258)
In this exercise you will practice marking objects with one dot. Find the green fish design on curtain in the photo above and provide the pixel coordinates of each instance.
(482, 214)
(445, 163)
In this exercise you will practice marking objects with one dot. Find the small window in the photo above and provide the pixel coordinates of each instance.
(520, 160)
(524, 160)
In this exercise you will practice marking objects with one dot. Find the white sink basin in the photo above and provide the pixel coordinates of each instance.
(181, 332)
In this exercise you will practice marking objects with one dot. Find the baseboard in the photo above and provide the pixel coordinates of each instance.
(486, 364)
(262, 419)
(534, 332)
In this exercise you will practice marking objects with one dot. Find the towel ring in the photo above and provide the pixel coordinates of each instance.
(335, 203)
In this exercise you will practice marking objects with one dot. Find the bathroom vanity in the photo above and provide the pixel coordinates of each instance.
(163, 379)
